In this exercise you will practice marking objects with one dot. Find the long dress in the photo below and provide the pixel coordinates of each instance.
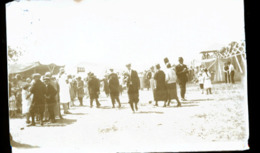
(207, 80)
(26, 103)
(160, 90)
(64, 90)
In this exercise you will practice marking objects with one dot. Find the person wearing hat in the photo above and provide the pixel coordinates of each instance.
(231, 71)
(80, 90)
(50, 98)
(170, 78)
(160, 86)
(182, 78)
(226, 72)
(133, 86)
(18, 93)
(38, 90)
(64, 91)
(94, 90)
(113, 84)
(26, 101)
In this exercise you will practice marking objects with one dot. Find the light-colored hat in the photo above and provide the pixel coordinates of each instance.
(36, 75)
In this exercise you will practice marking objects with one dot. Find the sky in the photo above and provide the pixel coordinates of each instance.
(112, 33)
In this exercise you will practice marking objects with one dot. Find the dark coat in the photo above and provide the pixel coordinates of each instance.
(93, 87)
(80, 88)
(161, 89)
(133, 86)
(181, 76)
(50, 93)
(38, 90)
(113, 84)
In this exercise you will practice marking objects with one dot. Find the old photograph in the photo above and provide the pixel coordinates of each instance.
(127, 76)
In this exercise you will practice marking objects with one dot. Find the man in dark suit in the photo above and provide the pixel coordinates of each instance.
(181, 72)
(38, 90)
(50, 98)
(94, 90)
(133, 86)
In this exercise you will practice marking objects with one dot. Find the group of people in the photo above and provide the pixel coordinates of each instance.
(229, 72)
(45, 94)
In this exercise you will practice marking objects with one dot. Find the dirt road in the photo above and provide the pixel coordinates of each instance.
(204, 122)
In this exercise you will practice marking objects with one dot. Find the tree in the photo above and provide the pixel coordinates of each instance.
(13, 54)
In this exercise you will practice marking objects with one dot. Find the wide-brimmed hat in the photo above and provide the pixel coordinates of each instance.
(48, 74)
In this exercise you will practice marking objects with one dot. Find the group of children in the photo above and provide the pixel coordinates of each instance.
(204, 80)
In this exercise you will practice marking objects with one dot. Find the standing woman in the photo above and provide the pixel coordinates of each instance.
(171, 85)
(64, 91)
(80, 90)
(113, 84)
(160, 86)
(26, 102)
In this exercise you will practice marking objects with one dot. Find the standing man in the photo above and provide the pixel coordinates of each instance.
(133, 86)
(50, 98)
(94, 90)
(231, 72)
(171, 85)
(113, 84)
(80, 90)
(226, 69)
(38, 90)
(181, 72)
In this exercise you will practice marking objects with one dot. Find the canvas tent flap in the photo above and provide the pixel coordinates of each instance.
(32, 68)
(18, 68)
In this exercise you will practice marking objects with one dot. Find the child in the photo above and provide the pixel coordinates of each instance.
(201, 82)
(207, 81)
(26, 102)
(12, 105)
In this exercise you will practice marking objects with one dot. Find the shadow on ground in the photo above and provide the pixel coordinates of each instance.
(58, 123)
(21, 145)
(78, 113)
(149, 112)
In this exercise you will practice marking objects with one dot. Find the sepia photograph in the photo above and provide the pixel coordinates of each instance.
(122, 76)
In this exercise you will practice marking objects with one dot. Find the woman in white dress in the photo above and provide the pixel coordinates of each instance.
(26, 102)
(64, 91)
(207, 81)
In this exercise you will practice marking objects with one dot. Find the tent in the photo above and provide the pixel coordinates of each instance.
(215, 60)
(27, 69)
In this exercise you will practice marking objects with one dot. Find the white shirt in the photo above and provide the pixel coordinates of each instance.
(231, 68)
(170, 76)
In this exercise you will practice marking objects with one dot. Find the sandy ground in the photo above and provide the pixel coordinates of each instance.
(203, 123)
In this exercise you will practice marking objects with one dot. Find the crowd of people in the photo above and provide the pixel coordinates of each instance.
(41, 97)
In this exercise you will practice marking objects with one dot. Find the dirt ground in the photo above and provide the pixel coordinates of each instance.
(203, 123)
